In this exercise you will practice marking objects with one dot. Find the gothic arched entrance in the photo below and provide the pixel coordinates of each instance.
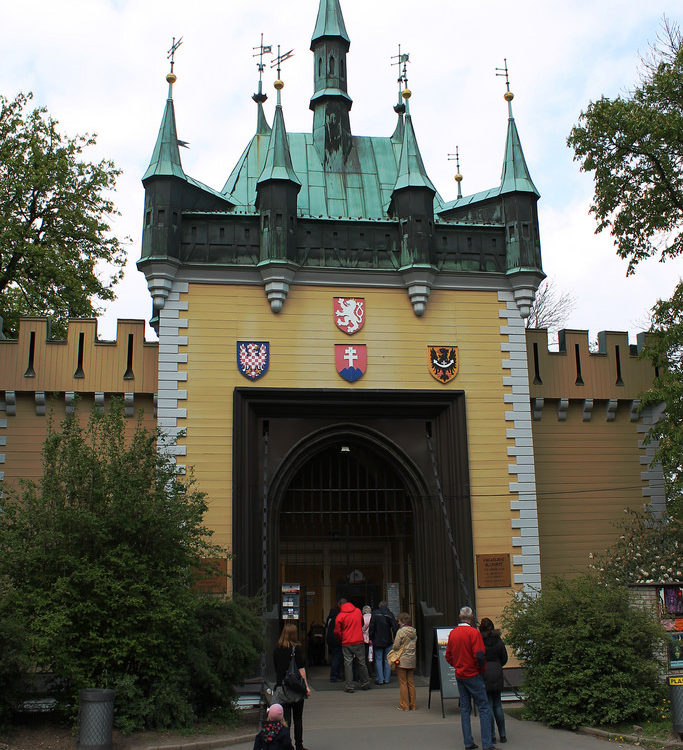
(295, 501)
(346, 528)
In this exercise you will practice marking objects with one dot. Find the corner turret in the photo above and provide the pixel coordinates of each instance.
(520, 217)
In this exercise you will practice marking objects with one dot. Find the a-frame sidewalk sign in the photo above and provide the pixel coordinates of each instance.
(442, 674)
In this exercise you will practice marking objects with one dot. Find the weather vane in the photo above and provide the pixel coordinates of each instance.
(402, 59)
(172, 51)
(277, 62)
(503, 72)
(263, 49)
(458, 176)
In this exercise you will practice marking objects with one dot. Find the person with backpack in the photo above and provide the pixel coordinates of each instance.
(382, 631)
(349, 629)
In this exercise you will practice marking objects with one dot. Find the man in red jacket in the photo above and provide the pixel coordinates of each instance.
(348, 628)
(465, 653)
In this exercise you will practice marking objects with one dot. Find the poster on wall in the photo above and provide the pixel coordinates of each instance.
(291, 601)
(393, 599)
(676, 650)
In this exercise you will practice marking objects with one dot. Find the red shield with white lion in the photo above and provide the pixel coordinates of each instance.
(349, 313)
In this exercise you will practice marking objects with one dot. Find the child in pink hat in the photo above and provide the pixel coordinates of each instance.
(275, 734)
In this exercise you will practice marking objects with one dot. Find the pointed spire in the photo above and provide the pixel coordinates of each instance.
(411, 168)
(165, 159)
(262, 126)
(330, 22)
(278, 164)
(515, 177)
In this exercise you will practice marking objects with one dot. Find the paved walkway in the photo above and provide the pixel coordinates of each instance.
(334, 720)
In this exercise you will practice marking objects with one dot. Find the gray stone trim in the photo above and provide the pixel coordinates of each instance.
(335, 277)
(611, 409)
(41, 405)
(522, 472)
(168, 392)
(587, 409)
(653, 475)
(562, 409)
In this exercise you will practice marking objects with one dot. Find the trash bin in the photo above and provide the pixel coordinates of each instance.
(95, 719)
(676, 695)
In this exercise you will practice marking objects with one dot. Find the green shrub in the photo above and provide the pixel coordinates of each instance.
(102, 556)
(13, 652)
(589, 655)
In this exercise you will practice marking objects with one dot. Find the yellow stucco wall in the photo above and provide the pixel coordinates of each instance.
(302, 338)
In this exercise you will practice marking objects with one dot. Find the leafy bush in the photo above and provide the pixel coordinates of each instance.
(589, 655)
(13, 654)
(103, 554)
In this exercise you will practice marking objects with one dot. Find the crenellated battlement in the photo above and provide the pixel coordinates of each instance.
(81, 363)
(614, 372)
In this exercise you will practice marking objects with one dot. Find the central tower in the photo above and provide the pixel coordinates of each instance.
(331, 102)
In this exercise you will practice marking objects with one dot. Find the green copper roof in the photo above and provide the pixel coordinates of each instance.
(411, 168)
(278, 163)
(362, 190)
(330, 21)
(515, 176)
(166, 155)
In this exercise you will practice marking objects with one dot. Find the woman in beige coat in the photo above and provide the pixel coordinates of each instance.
(405, 642)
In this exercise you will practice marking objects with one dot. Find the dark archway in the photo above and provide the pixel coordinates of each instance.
(342, 520)
(277, 431)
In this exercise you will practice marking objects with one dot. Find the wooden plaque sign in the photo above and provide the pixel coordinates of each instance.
(493, 571)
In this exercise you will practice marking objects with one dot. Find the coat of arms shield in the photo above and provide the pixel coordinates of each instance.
(351, 361)
(253, 358)
(443, 362)
(349, 313)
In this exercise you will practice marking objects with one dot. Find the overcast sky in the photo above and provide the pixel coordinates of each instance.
(99, 66)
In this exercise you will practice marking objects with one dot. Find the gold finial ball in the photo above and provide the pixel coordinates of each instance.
(458, 177)
(406, 93)
(279, 84)
(508, 96)
(171, 77)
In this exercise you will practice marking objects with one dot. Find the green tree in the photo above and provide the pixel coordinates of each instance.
(633, 145)
(589, 655)
(664, 348)
(102, 555)
(54, 220)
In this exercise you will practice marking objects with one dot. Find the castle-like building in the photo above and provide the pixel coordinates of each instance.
(343, 356)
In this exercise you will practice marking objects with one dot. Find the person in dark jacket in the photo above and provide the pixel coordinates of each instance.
(334, 646)
(382, 632)
(274, 735)
(496, 656)
(281, 658)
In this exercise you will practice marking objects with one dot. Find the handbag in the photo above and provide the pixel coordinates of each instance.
(293, 682)
(393, 657)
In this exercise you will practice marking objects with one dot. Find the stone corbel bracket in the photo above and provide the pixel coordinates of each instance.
(418, 280)
(277, 277)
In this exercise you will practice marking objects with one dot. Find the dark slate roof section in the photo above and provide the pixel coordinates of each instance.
(330, 22)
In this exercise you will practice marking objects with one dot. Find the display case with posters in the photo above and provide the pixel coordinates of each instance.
(671, 607)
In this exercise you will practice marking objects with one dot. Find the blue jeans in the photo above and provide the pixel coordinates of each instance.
(496, 705)
(474, 687)
(381, 664)
(336, 662)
